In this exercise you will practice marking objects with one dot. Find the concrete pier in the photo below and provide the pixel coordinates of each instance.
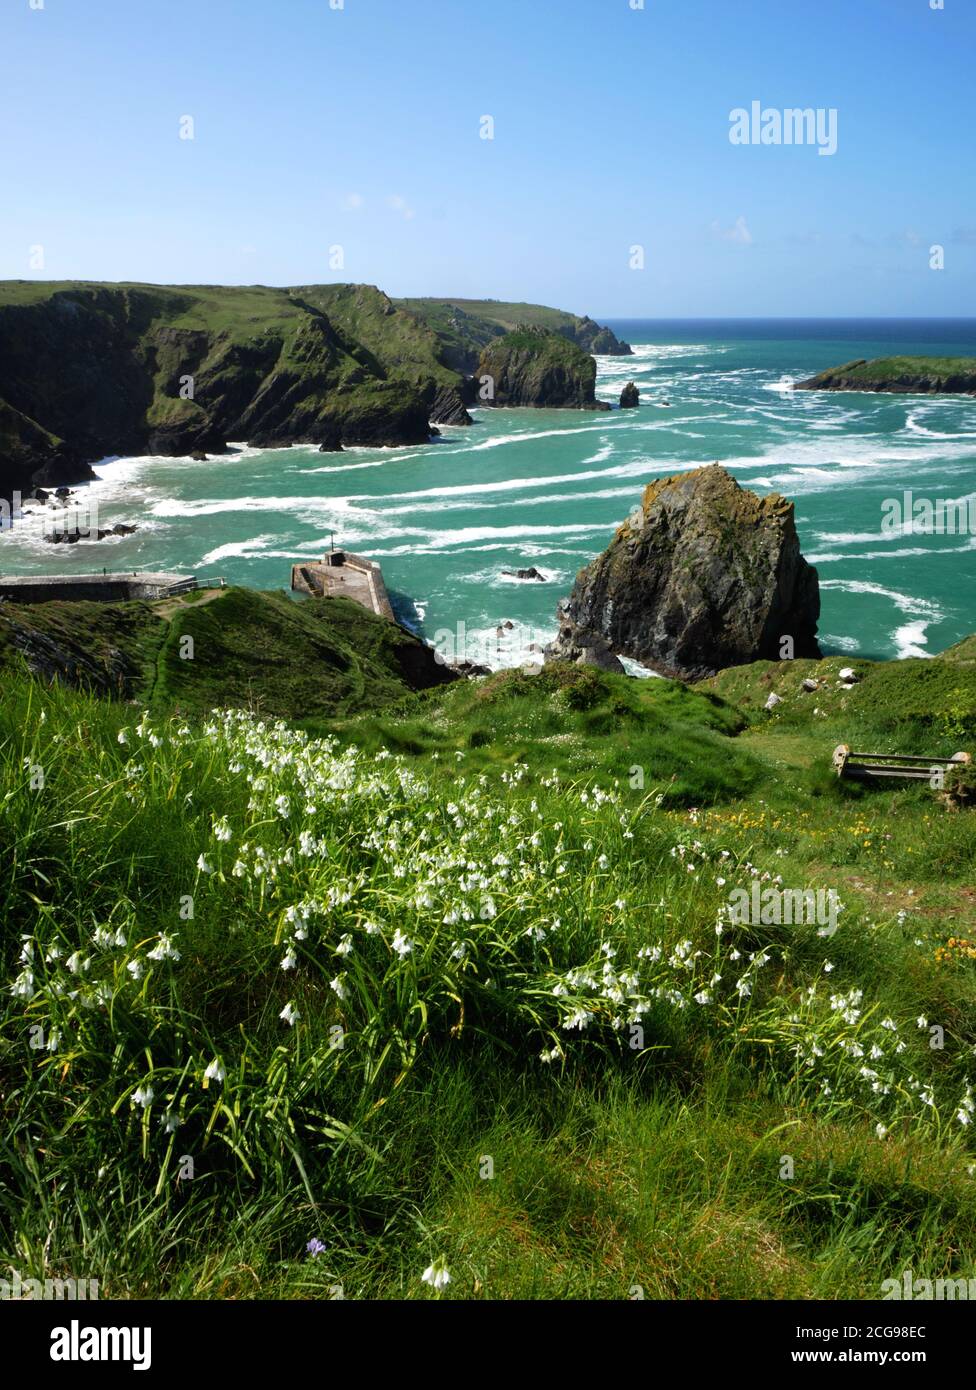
(96, 588)
(340, 574)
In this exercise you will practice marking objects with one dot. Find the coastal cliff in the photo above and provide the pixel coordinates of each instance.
(89, 370)
(466, 326)
(701, 576)
(536, 367)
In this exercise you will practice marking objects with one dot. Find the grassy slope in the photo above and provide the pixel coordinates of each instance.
(262, 651)
(611, 1168)
(924, 706)
(397, 342)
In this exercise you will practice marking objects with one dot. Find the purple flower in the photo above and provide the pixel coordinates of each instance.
(315, 1247)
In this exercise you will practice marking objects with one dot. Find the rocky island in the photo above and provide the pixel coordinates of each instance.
(927, 376)
(701, 576)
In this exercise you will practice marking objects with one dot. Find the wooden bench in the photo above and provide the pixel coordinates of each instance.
(865, 767)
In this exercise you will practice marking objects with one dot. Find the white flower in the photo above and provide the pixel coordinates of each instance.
(880, 1130)
(215, 1071)
(579, 1020)
(290, 1014)
(401, 944)
(921, 1021)
(23, 986)
(123, 738)
(290, 960)
(135, 969)
(203, 866)
(344, 947)
(163, 950)
(964, 1117)
(222, 831)
(338, 985)
(437, 1275)
(143, 1095)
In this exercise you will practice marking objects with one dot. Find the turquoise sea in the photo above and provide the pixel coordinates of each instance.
(547, 488)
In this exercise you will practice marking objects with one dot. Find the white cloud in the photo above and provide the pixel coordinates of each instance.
(399, 204)
(739, 232)
(352, 202)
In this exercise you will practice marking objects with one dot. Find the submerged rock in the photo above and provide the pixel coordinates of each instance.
(702, 576)
(73, 534)
(530, 573)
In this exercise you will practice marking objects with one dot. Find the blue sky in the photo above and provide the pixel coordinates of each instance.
(360, 127)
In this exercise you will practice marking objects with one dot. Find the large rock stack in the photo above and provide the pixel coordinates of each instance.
(701, 576)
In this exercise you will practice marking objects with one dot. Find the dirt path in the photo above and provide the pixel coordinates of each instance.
(167, 608)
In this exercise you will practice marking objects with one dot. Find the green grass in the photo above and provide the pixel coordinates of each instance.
(304, 660)
(500, 887)
(577, 723)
